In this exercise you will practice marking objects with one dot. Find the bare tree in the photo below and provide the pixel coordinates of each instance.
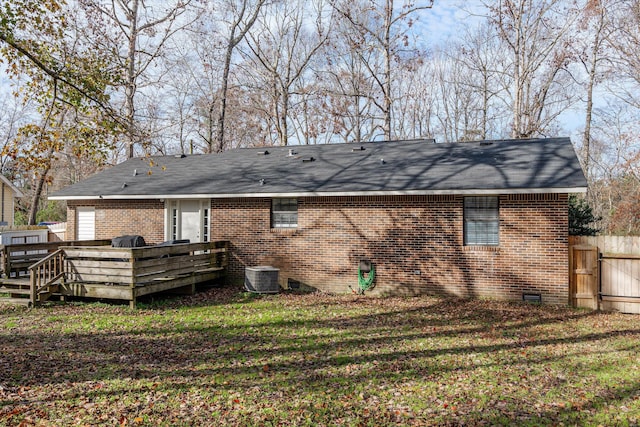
(626, 42)
(535, 34)
(466, 92)
(615, 171)
(416, 105)
(481, 58)
(381, 27)
(14, 113)
(209, 64)
(455, 102)
(179, 98)
(593, 55)
(244, 15)
(311, 122)
(195, 73)
(348, 91)
(281, 46)
(144, 31)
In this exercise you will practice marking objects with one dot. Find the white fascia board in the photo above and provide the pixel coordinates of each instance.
(329, 194)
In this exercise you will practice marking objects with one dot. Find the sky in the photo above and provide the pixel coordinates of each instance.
(448, 18)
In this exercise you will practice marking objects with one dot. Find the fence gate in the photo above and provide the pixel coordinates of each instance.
(583, 281)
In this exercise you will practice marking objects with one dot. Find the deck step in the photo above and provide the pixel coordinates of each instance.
(15, 291)
(20, 282)
(15, 301)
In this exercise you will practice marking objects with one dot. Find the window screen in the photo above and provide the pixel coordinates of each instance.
(284, 213)
(481, 221)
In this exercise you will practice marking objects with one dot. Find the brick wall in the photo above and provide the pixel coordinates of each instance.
(416, 244)
(122, 217)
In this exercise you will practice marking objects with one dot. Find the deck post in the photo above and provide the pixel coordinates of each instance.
(62, 280)
(6, 267)
(132, 267)
(32, 289)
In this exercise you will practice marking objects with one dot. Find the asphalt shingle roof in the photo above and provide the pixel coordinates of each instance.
(402, 167)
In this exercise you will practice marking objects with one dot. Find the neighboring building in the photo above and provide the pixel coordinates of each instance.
(479, 219)
(8, 194)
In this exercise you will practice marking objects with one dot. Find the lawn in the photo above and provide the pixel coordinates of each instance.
(224, 357)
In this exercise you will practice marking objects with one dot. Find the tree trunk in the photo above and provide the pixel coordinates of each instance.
(210, 120)
(358, 129)
(131, 78)
(232, 43)
(518, 91)
(284, 126)
(35, 200)
(485, 104)
(387, 70)
(223, 96)
(593, 67)
(33, 209)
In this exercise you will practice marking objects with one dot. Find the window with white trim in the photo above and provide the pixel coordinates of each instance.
(174, 221)
(481, 221)
(284, 213)
(205, 225)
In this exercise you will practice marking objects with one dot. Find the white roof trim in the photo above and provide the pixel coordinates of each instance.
(328, 194)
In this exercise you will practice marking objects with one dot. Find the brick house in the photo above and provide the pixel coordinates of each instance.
(478, 219)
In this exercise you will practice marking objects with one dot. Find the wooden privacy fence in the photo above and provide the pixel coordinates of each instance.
(605, 272)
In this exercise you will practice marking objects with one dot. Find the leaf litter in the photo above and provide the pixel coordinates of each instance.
(224, 357)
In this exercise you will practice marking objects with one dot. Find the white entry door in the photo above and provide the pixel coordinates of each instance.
(188, 219)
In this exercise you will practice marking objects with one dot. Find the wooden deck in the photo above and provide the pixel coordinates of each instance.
(110, 273)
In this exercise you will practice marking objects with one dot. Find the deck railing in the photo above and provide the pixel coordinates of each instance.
(15, 259)
(139, 266)
(45, 273)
